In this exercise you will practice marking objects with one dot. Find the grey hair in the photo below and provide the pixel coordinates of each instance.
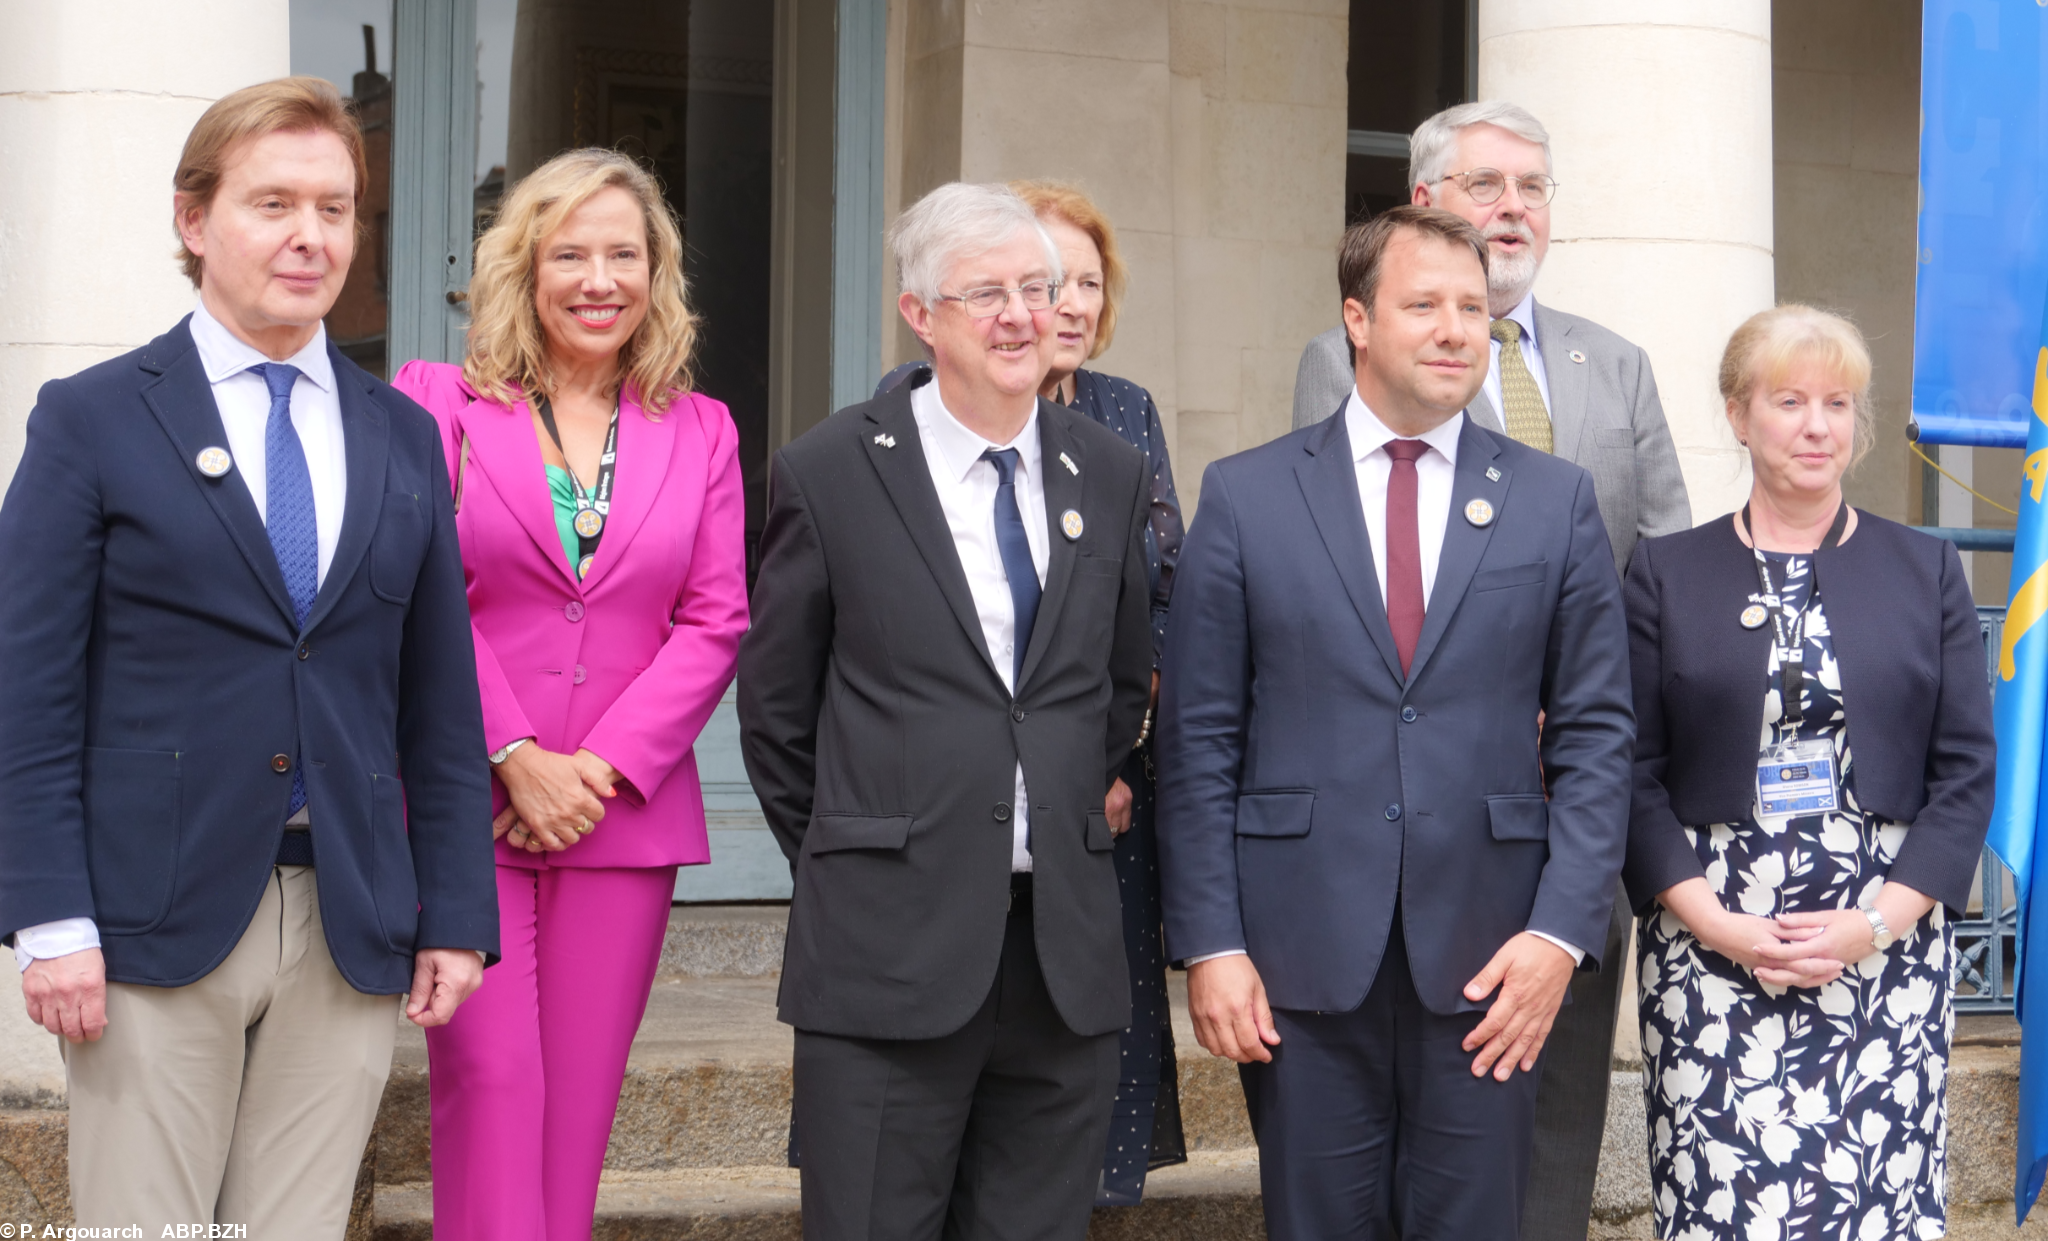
(1435, 142)
(958, 220)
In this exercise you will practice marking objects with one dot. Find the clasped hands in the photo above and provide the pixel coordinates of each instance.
(1227, 1002)
(557, 799)
(1790, 950)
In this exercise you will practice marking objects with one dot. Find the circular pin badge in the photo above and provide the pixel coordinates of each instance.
(589, 523)
(1070, 525)
(214, 462)
(1754, 615)
(1576, 356)
(583, 566)
(1479, 513)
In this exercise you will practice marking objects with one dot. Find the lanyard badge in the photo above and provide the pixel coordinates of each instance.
(592, 507)
(1796, 776)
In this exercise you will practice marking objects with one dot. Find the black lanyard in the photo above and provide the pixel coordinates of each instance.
(598, 503)
(1792, 642)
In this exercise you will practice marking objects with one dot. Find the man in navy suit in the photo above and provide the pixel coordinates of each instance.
(1379, 874)
(241, 753)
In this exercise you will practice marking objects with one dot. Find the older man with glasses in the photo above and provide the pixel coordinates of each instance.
(1570, 387)
(949, 664)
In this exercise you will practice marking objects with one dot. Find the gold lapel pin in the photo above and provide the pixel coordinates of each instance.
(1753, 616)
(1479, 513)
(214, 462)
(1070, 525)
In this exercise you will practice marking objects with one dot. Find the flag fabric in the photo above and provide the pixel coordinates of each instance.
(2018, 821)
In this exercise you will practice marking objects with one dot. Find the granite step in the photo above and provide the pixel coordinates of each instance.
(724, 941)
(1213, 1197)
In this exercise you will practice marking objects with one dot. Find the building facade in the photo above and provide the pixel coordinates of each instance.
(1714, 156)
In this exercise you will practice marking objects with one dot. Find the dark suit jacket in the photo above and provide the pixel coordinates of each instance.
(1915, 697)
(884, 747)
(153, 669)
(1305, 789)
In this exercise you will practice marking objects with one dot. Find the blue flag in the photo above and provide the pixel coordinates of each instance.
(2020, 708)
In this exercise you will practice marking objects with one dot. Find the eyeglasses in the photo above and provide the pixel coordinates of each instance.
(1485, 186)
(988, 301)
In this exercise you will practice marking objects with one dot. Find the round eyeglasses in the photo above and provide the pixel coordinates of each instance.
(1485, 186)
(988, 301)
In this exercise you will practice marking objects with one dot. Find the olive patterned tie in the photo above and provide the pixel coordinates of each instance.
(1522, 410)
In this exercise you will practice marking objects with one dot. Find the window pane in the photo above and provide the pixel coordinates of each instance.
(1408, 61)
(348, 42)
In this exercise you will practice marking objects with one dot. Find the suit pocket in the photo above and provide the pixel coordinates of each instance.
(133, 830)
(1519, 816)
(829, 833)
(1513, 575)
(1100, 839)
(393, 884)
(398, 547)
(1282, 814)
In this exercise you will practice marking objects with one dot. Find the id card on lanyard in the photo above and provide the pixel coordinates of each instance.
(1795, 776)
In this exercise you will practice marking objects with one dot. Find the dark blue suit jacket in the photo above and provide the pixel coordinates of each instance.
(1305, 788)
(152, 672)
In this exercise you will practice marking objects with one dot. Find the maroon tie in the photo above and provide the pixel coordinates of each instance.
(1404, 550)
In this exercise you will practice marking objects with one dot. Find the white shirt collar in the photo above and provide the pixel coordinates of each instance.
(1524, 313)
(1369, 435)
(959, 447)
(224, 354)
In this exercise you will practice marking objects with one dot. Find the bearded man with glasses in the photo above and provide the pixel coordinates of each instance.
(949, 664)
(1570, 387)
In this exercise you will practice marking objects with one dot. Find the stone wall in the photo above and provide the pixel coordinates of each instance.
(96, 97)
(1213, 136)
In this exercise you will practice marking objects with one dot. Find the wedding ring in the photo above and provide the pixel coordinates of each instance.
(585, 827)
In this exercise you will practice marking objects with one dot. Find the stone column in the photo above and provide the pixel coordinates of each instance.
(1660, 124)
(96, 97)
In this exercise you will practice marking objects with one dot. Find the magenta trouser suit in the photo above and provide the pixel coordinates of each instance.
(629, 663)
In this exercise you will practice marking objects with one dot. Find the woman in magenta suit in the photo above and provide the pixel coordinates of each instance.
(599, 507)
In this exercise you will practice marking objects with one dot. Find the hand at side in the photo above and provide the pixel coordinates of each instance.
(67, 995)
(442, 978)
(1532, 974)
(1227, 1002)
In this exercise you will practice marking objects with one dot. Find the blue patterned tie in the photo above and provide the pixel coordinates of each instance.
(288, 512)
(1015, 547)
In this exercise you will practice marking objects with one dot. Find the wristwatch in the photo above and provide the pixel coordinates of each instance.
(1881, 936)
(500, 756)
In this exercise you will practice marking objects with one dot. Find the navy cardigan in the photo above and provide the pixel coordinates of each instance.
(1915, 697)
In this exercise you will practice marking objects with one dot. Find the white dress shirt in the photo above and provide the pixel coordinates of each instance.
(1435, 472)
(1524, 313)
(243, 399)
(967, 495)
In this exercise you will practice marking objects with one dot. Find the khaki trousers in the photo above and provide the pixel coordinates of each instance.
(243, 1098)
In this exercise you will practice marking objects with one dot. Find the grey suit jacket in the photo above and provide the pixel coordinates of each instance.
(1604, 412)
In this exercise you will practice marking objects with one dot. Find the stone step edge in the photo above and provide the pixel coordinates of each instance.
(1210, 1198)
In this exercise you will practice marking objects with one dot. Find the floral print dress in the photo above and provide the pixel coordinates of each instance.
(1779, 1114)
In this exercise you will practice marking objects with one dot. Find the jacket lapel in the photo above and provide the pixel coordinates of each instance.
(503, 446)
(1481, 411)
(645, 447)
(1329, 482)
(1566, 380)
(891, 441)
(366, 444)
(182, 401)
(1064, 489)
(1464, 543)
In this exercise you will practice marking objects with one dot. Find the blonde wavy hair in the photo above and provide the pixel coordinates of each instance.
(1764, 351)
(1057, 200)
(508, 357)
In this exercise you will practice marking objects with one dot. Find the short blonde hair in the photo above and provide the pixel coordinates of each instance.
(285, 105)
(508, 358)
(1056, 200)
(1770, 343)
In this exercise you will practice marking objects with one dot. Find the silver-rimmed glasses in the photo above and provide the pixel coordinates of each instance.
(988, 301)
(1485, 186)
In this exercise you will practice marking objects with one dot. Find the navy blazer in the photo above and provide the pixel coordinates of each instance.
(1306, 789)
(154, 676)
(1915, 697)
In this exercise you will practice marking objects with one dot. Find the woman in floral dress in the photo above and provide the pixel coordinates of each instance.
(1814, 773)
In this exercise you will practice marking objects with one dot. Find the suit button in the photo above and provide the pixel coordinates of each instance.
(1002, 812)
(578, 677)
(1393, 811)
(305, 652)
(574, 611)
(1017, 714)
(280, 763)
(1407, 715)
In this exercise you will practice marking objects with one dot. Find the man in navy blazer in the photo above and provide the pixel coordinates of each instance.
(1380, 876)
(242, 754)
